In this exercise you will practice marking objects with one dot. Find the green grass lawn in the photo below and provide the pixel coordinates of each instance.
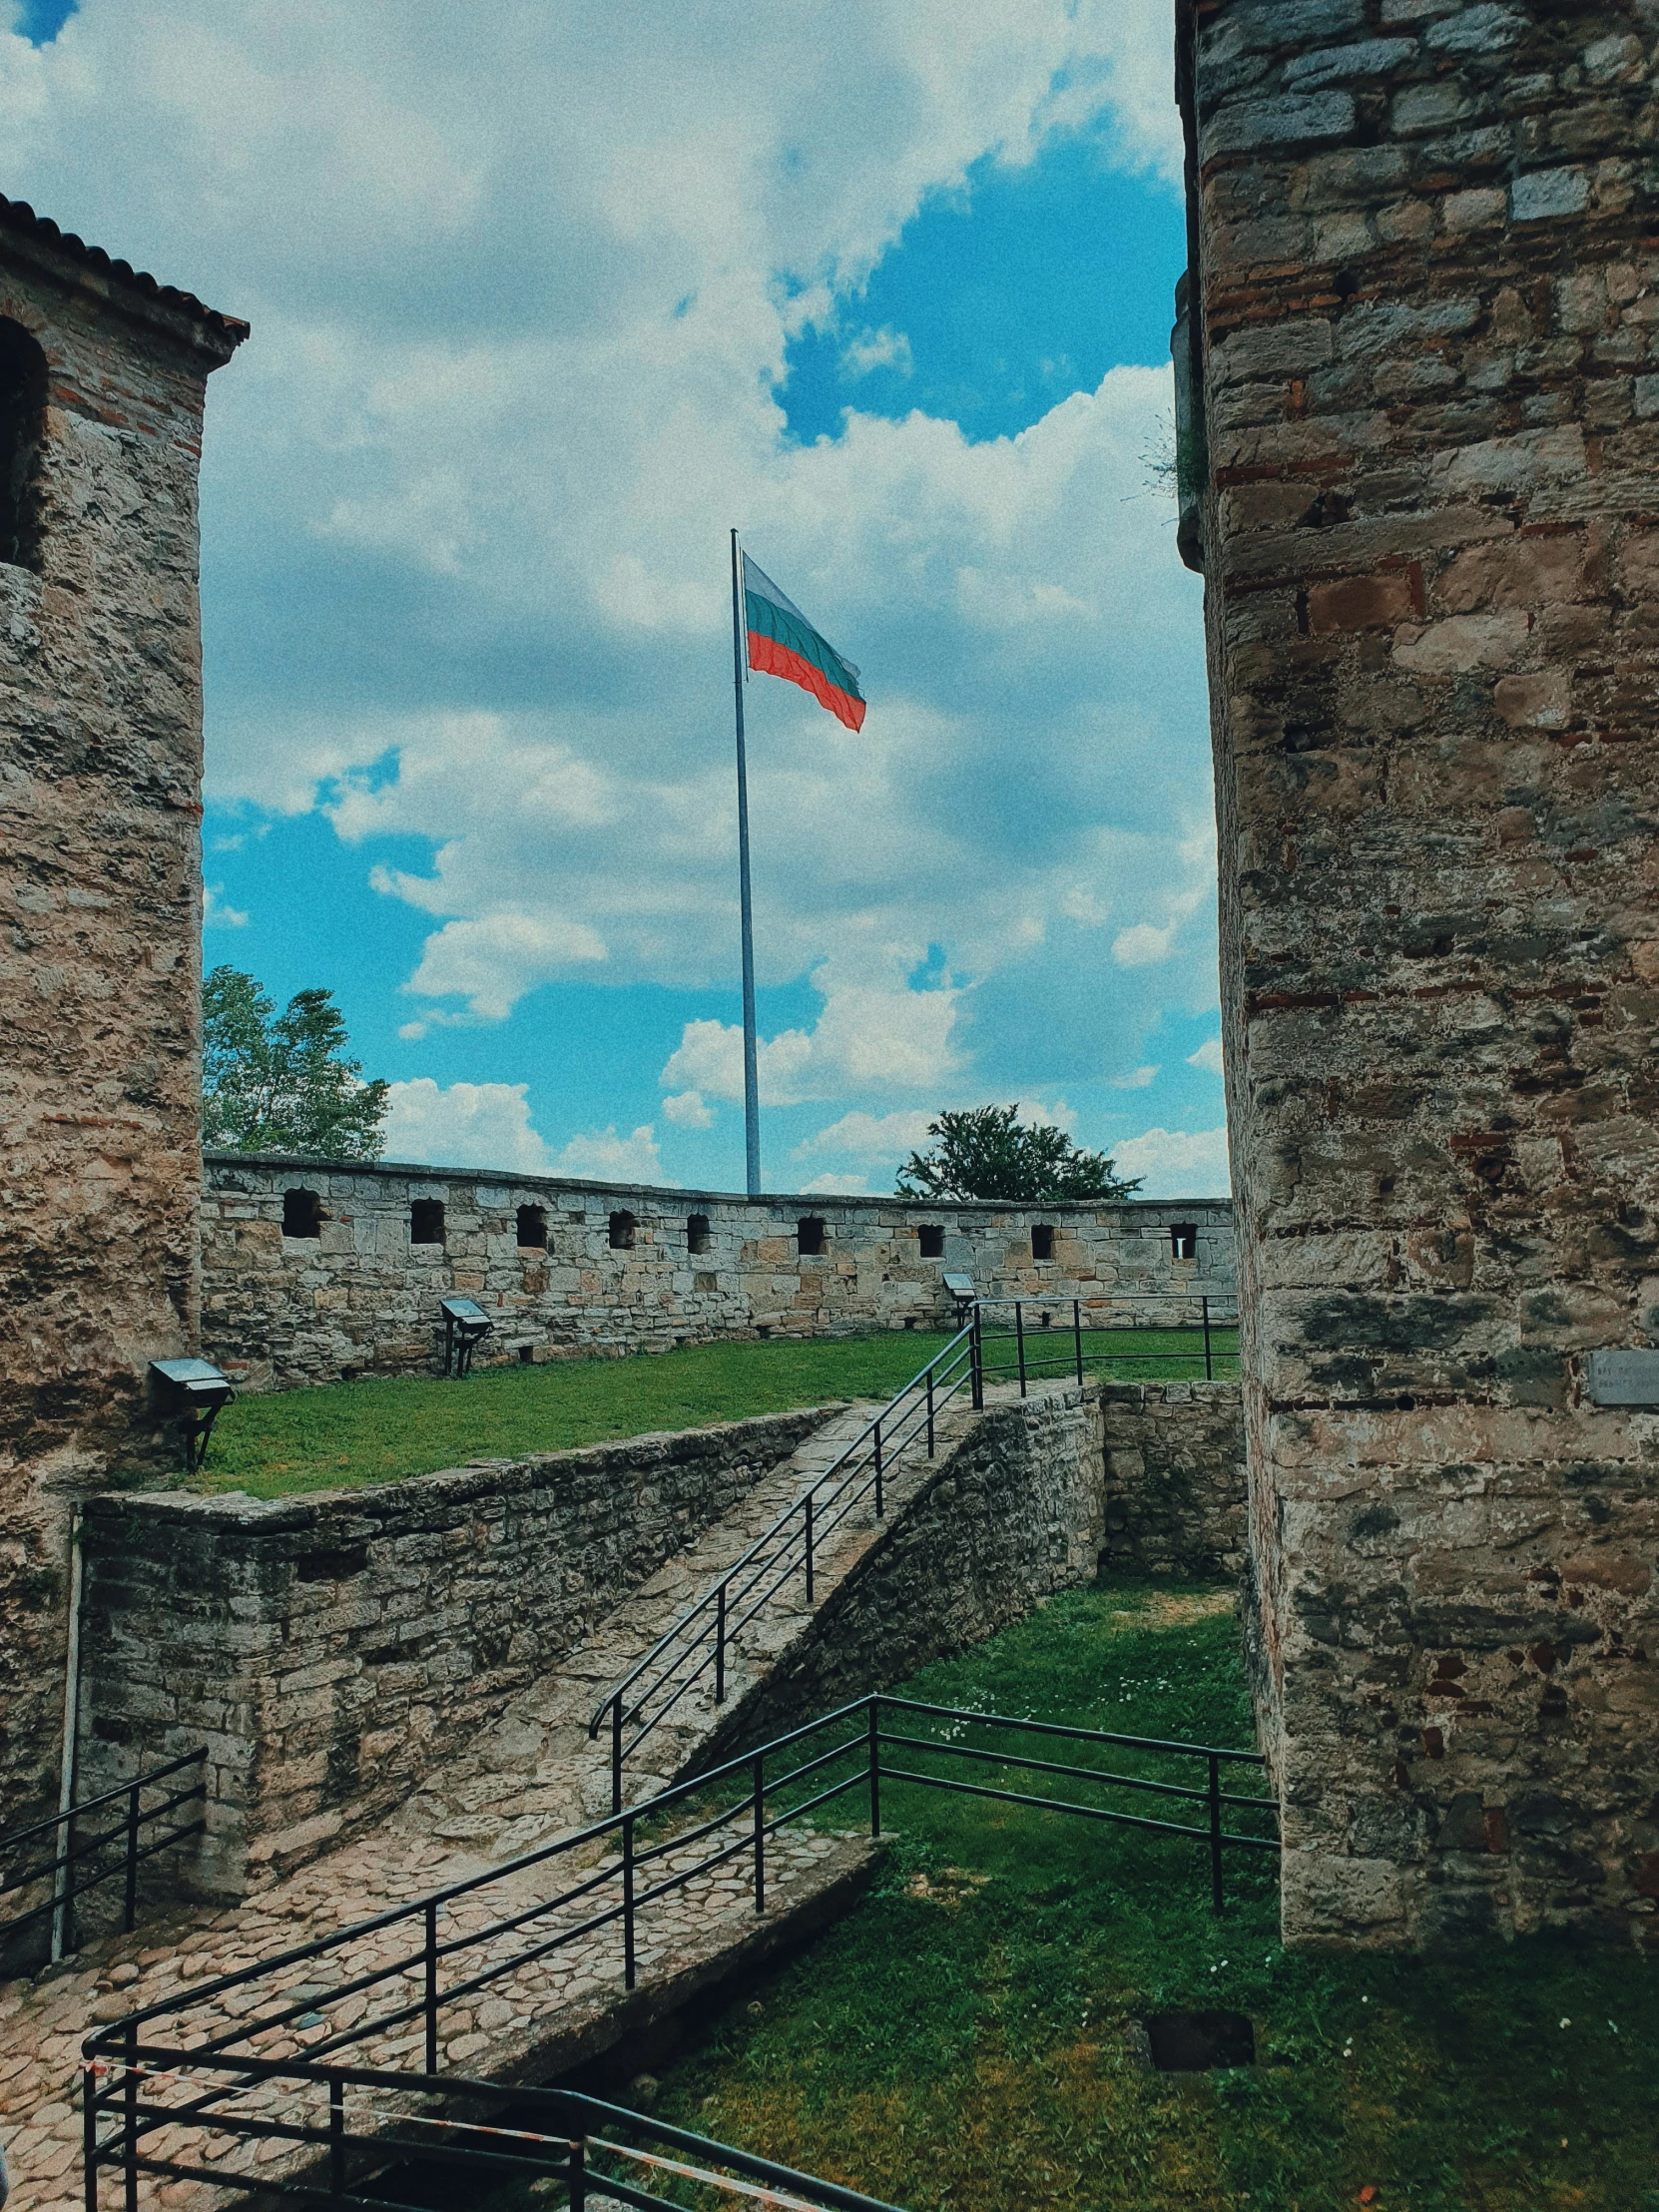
(958, 2041)
(380, 1430)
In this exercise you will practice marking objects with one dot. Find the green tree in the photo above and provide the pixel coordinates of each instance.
(282, 1082)
(986, 1153)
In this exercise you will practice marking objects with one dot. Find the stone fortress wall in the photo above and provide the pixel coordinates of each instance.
(329, 1650)
(568, 1267)
(1420, 463)
(103, 377)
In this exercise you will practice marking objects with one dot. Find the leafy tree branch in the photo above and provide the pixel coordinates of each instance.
(282, 1082)
(985, 1152)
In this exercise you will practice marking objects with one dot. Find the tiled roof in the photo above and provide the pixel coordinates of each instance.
(17, 216)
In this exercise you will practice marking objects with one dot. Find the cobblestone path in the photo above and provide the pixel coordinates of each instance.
(532, 1776)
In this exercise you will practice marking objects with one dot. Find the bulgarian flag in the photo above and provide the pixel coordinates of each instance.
(782, 642)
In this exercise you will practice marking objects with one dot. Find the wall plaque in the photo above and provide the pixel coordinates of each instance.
(1624, 1378)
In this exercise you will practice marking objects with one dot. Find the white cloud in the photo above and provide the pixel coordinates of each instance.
(512, 371)
(1174, 1164)
(1082, 903)
(871, 1036)
(607, 1158)
(487, 1125)
(216, 915)
(838, 1186)
(1033, 1114)
(872, 1137)
(1142, 944)
(468, 1125)
(1188, 891)
(1208, 1056)
(872, 349)
(493, 962)
(688, 1110)
(1136, 1080)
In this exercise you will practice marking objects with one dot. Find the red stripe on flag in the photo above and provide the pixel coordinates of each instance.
(768, 658)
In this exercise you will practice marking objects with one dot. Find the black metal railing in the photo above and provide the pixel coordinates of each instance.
(1012, 1340)
(77, 1863)
(397, 1981)
(1028, 1340)
(174, 2090)
(998, 1753)
(347, 2130)
(695, 1648)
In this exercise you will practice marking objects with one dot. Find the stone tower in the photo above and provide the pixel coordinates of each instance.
(1420, 458)
(103, 376)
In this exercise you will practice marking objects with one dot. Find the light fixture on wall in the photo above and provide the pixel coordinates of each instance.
(194, 1390)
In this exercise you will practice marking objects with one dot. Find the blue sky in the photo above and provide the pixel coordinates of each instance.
(539, 311)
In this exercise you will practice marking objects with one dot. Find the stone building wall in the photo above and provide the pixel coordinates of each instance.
(1174, 1479)
(328, 1650)
(101, 384)
(360, 1295)
(1420, 451)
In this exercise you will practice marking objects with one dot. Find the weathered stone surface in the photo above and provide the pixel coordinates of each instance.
(1432, 609)
(1012, 1509)
(1174, 1478)
(329, 1650)
(99, 776)
(359, 1296)
(337, 1653)
(538, 2015)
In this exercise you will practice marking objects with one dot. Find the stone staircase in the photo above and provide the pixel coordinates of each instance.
(536, 1771)
(533, 1775)
(1009, 1508)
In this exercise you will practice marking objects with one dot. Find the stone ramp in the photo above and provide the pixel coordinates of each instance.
(530, 1777)
(536, 1771)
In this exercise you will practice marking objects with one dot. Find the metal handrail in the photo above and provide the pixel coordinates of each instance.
(700, 1637)
(70, 1853)
(553, 2133)
(694, 1645)
(610, 1895)
(1083, 1319)
(749, 1765)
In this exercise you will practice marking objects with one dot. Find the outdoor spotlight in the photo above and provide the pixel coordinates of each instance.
(466, 1325)
(194, 1390)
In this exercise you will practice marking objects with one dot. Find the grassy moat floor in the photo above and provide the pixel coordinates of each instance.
(345, 1434)
(958, 2044)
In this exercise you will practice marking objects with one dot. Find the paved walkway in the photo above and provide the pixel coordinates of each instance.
(530, 1778)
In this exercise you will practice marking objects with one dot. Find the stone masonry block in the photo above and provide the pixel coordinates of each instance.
(1545, 193)
(1364, 602)
(1433, 1056)
(1309, 118)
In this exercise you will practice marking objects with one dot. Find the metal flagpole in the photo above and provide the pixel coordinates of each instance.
(751, 1085)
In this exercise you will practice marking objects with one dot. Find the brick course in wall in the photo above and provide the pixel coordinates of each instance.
(1421, 456)
(328, 1650)
(99, 922)
(362, 1298)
